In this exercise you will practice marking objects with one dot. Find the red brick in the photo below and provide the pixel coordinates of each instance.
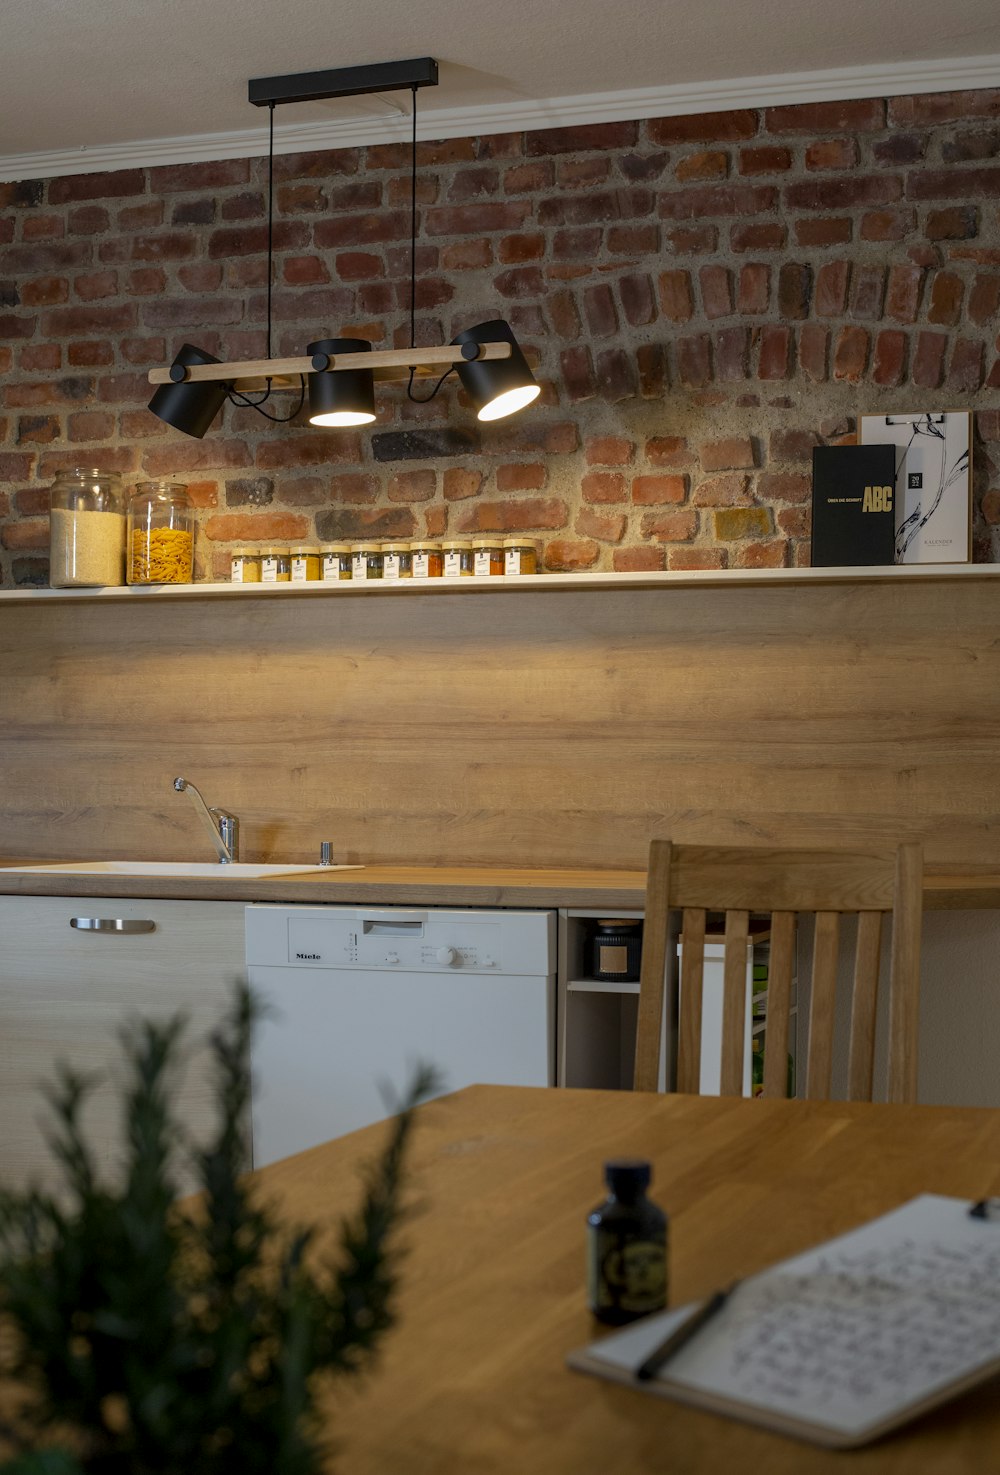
(944, 107)
(686, 559)
(770, 554)
(412, 486)
(303, 271)
(96, 284)
(945, 184)
(629, 240)
(603, 486)
(526, 478)
(732, 454)
(947, 291)
(642, 560)
(984, 299)
(71, 321)
(823, 231)
(694, 361)
(69, 188)
(461, 483)
(599, 306)
(775, 352)
(608, 527)
(580, 173)
(354, 266)
(794, 286)
(656, 491)
(850, 354)
(576, 245)
(869, 290)
(247, 205)
(638, 302)
(43, 291)
(146, 281)
(720, 199)
(755, 288)
(903, 295)
(527, 178)
(90, 353)
(795, 522)
(40, 356)
(578, 373)
(33, 501)
(296, 199)
(728, 127)
(772, 159)
(965, 144)
(91, 425)
(214, 174)
(608, 450)
(730, 490)
(528, 246)
(832, 153)
(615, 375)
(308, 448)
(668, 450)
(37, 429)
(886, 225)
(596, 207)
(42, 227)
(704, 165)
(146, 216)
(251, 240)
(965, 372)
(784, 486)
(564, 554)
(255, 527)
(463, 220)
(831, 288)
(29, 534)
(759, 236)
(861, 115)
(732, 351)
(889, 366)
(651, 367)
(843, 194)
(675, 296)
(791, 445)
(955, 223)
(544, 513)
(581, 139)
(670, 527)
(716, 291)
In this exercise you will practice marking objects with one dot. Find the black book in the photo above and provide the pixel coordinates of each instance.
(853, 500)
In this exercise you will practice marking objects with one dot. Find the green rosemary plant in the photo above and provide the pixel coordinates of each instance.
(137, 1339)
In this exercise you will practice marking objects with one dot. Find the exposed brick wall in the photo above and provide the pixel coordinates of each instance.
(708, 297)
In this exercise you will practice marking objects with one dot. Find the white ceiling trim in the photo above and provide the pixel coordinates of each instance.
(953, 74)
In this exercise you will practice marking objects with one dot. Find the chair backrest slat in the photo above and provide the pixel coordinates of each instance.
(734, 1003)
(861, 1064)
(692, 981)
(781, 968)
(698, 878)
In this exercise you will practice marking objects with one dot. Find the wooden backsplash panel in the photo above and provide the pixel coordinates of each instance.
(525, 727)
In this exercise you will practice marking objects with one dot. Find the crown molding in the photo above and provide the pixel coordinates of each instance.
(953, 74)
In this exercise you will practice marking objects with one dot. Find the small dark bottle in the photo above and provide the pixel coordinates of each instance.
(626, 1247)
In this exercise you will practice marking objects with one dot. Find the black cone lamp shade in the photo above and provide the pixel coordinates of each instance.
(342, 396)
(190, 407)
(497, 387)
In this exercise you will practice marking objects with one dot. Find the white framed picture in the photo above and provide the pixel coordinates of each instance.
(933, 482)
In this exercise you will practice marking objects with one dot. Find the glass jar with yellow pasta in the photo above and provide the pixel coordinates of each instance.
(160, 534)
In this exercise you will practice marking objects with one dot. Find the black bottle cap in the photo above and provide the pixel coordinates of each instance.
(627, 1176)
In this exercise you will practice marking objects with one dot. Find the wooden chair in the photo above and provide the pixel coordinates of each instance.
(696, 878)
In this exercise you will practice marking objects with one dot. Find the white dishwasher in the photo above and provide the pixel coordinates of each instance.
(354, 997)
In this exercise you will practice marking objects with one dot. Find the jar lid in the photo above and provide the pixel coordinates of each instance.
(87, 473)
(419, 544)
(173, 489)
(301, 550)
(242, 552)
(368, 547)
(619, 922)
(395, 547)
(335, 548)
(276, 550)
(520, 543)
(458, 543)
(494, 542)
(627, 1175)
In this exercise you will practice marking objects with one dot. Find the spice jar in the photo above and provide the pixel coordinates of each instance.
(520, 556)
(458, 560)
(276, 565)
(336, 561)
(489, 559)
(305, 563)
(428, 560)
(369, 557)
(160, 534)
(244, 566)
(618, 949)
(396, 561)
(86, 530)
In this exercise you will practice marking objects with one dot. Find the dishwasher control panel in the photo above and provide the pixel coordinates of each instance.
(413, 941)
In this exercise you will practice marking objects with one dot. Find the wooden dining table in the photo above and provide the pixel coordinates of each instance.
(472, 1379)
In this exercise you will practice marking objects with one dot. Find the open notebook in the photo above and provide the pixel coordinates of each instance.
(844, 1342)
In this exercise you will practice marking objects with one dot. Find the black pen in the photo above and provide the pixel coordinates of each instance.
(681, 1335)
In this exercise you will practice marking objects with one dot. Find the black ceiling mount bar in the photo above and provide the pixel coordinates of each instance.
(386, 76)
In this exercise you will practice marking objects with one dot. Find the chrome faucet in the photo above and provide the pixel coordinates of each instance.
(223, 826)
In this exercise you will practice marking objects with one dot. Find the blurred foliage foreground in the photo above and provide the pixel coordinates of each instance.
(139, 1340)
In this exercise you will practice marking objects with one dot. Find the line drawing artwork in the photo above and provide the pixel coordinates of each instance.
(946, 477)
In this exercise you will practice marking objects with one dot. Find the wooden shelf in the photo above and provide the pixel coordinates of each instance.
(550, 583)
(602, 986)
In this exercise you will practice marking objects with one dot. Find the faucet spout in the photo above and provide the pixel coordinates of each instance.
(223, 827)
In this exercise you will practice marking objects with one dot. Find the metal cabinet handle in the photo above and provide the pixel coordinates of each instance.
(112, 924)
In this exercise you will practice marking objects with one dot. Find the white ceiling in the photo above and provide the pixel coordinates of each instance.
(106, 75)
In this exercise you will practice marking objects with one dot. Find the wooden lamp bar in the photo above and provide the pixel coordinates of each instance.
(386, 363)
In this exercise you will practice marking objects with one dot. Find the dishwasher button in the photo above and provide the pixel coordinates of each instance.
(487, 963)
(392, 957)
(446, 955)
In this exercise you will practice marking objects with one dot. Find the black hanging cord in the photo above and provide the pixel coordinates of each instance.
(238, 398)
(417, 399)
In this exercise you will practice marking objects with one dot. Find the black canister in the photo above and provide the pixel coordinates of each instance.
(626, 1247)
(617, 950)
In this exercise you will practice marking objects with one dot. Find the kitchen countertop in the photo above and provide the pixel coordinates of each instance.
(946, 887)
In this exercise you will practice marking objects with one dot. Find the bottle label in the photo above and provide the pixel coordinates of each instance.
(269, 571)
(421, 565)
(452, 564)
(300, 571)
(331, 566)
(614, 959)
(483, 562)
(237, 571)
(626, 1274)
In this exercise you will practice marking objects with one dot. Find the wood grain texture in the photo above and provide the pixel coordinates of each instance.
(867, 953)
(691, 1000)
(904, 991)
(493, 1295)
(539, 729)
(822, 1003)
(653, 968)
(734, 1003)
(781, 968)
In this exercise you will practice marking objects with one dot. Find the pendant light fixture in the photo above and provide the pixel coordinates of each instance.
(341, 372)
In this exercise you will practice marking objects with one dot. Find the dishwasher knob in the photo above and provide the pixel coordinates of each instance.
(488, 962)
(392, 957)
(445, 955)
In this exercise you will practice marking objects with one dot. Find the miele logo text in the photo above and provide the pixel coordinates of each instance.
(310, 957)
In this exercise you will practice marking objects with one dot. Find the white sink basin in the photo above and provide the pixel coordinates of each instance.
(236, 870)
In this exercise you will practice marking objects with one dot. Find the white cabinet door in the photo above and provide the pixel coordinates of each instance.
(66, 990)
